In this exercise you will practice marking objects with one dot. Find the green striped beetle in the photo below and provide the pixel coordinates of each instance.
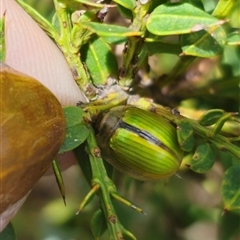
(139, 143)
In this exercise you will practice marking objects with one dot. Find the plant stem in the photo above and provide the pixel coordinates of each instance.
(100, 178)
(134, 46)
(72, 56)
(221, 142)
(59, 179)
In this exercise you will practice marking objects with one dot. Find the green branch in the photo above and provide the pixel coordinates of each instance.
(133, 46)
(102, 185)
(221, 142)
(72, 55)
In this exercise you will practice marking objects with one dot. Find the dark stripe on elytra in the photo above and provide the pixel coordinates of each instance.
(143, 134)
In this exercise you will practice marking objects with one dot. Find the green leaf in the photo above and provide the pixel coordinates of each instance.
(8, 233)
(223, 8)
(129, 4)
(98, 224)
(203, 43)
(210, 117)
(100, 60)
(111, 33)
(76, 130)
(178, 18)
(233, 38)
(203, 158)
(230, 189)
(185, 135)
(2, 40)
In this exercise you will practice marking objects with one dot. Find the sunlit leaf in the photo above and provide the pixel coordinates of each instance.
(223, 8)
(178, 18)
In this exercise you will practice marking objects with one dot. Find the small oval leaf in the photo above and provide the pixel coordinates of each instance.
(203, 158)
(98, 224)
(210, 117)
(230, 189)
(76, 130)
(185, 135)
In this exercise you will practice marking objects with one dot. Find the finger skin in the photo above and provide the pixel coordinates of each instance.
(31, 51)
